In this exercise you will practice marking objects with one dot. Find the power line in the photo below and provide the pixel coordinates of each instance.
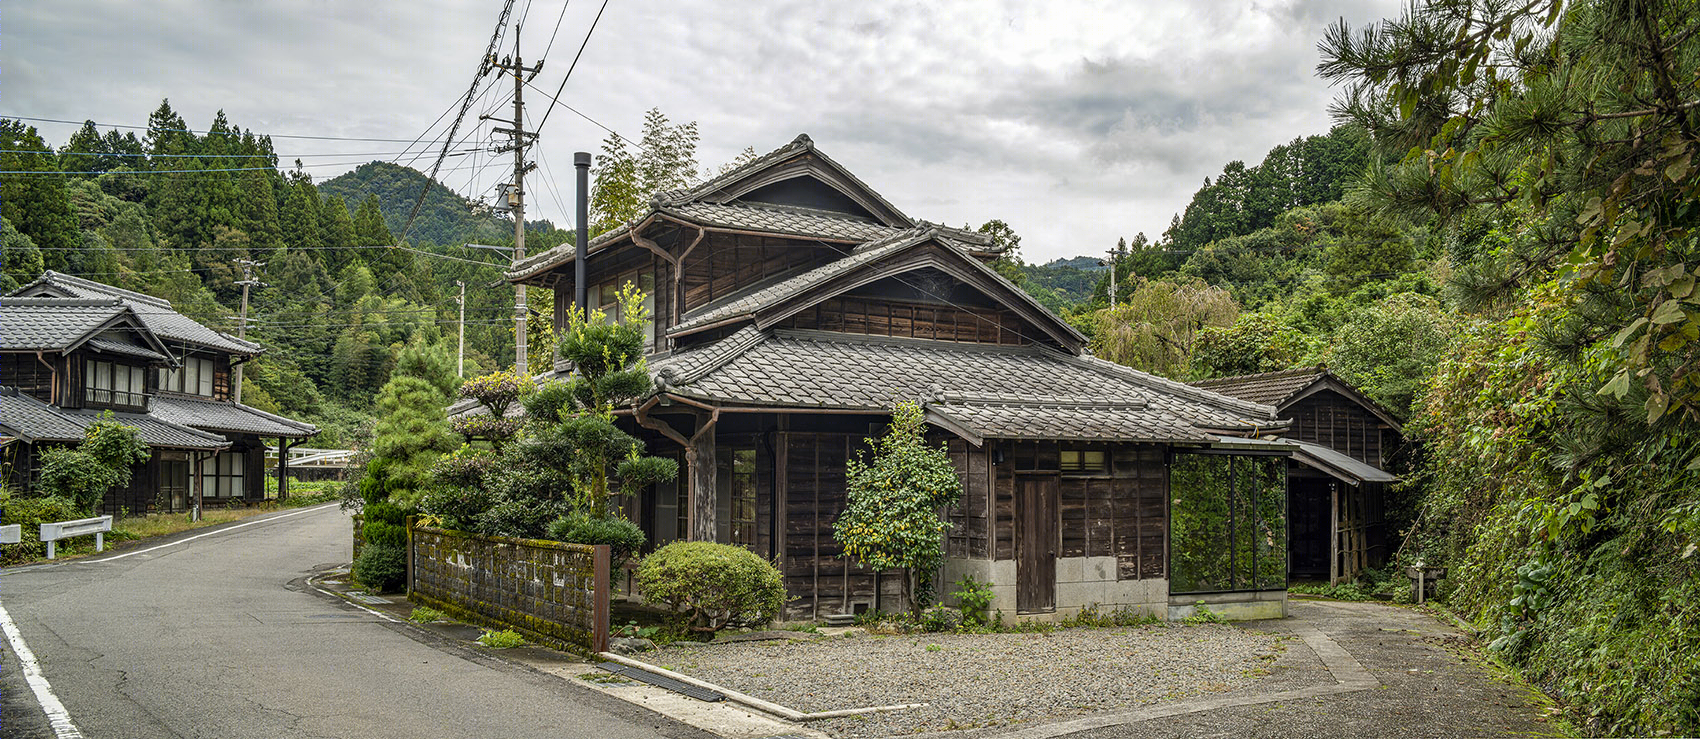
(575, 111)
(574, 65)
(201, 156)
(207, 133)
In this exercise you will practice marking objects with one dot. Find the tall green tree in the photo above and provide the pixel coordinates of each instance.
(36, 204)
(625, 182)
(412, 431)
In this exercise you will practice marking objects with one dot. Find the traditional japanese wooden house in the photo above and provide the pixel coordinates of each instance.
(157, 370)
(794, 307)
(1337, 479)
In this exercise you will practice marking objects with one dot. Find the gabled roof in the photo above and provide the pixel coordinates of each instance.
(776, 301)
(155, 313)
(1286, 387)
(214, 415)
(31, 420)
(1337, 465)
(63, 324)
(795, 159)
(714, 204)
(980, 391)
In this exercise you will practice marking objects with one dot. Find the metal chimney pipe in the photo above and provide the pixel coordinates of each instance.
(581, 291)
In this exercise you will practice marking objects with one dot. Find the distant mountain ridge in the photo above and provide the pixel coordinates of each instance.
(446, 218)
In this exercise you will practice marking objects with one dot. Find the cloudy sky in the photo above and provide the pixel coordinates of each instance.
(1076, 122)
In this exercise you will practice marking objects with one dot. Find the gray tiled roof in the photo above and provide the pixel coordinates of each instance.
(118, 347)
(155, 313)
(52, 323)
(1270, 388)
(748, 303)
(781, 220)
(215, 415)
(155, 431)
(1001, 389)
(32, 420)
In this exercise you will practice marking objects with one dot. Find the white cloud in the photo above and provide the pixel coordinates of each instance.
(1075, 121)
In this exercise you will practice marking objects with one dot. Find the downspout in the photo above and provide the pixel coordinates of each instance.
(52, 377)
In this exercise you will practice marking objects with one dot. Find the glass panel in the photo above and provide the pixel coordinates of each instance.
(138, 380)
(205, 367)
(1229, 523)
(1070, 460)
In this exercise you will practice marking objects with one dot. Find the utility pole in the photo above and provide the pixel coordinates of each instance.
(516, 194)
(248, 266)
(460, 356)
(1115, 255)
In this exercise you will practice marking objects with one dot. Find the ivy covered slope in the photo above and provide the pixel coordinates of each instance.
(1557, 145)
(168, 212)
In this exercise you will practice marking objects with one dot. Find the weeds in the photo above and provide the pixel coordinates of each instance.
(427, 614)
(504, 639)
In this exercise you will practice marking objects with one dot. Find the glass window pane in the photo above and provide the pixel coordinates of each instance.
(206, 372)
(138, 380)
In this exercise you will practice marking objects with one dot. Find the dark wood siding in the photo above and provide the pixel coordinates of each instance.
(1335, 421)
(1120, 512)
(914, 320)
(25, 373)
(971, 517)
(818, 578)
(727, 263)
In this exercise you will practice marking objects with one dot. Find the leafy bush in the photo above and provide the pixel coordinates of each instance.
(526, 518)
(381, 567)
(456, 507)
(105, 459)
(385, 512)
(974, 598)
(384, 534)
(941, 618)
(1092, 616)
(29, 513)
(623, 537)
(712, 586)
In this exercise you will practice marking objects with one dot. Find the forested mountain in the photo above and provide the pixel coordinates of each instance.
(171, 212)
(445, 218)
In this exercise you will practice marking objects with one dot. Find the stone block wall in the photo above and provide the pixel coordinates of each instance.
(552, 592)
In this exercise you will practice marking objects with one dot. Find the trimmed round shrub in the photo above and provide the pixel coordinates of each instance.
(381, 567)
(712, 586)
(384, 534)
(385, 512)
(623, 537)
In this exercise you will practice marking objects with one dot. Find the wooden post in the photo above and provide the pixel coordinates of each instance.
(1333, 532)
(411, 522)
(599, 632)
(200, 491)
(700, 458)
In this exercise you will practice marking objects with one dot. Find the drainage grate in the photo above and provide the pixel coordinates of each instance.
(662, 681)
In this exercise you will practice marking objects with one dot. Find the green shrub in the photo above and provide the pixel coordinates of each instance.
(29, 513)
(973, 597)
(383, 533)
(623, 537)
(941, 618)
(381, 567)
(456, 507)
(712, 586)
(385, 512)
(520, 519)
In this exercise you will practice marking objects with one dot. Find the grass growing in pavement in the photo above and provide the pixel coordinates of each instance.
(427, 614)
(504, 639)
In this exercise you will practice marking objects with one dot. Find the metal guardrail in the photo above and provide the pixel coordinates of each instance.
(304, 458)
(11, 534)
(53, 532)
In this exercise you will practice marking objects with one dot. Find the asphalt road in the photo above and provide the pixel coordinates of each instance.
(219, 636)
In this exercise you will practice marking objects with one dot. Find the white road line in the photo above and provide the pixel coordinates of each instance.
(57, 716)
(209, 533)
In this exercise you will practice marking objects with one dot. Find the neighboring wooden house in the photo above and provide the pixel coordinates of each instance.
(156, 369)
(1337, 488)
(794, 307)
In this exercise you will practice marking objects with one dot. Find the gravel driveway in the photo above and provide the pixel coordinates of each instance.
(982, 679)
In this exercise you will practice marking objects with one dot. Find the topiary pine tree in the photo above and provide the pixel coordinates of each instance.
(575, 436)
(890, 519)
(412, 428)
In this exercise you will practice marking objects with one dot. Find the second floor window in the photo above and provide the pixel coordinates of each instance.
(606, 298)
(114, 384)
(195, 377)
